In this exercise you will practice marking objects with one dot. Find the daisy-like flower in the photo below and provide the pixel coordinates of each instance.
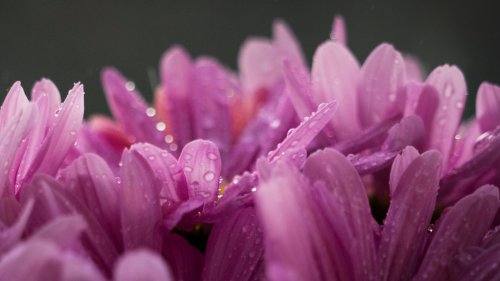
(261, 175)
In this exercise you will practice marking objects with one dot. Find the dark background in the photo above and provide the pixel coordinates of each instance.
(69, 41)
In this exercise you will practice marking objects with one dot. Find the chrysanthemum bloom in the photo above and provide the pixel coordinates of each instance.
(264, 175)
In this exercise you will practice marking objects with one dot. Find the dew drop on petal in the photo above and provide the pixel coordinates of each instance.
(150, 112)
(173, 147)
(130, 86)
(188, 169)
(209, 176)
(160, 126)
(211, 156)
(187, 156)
(151, 157)
(275, 123)
(169, 138)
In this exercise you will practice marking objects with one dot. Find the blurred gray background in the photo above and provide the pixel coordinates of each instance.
(69, 41)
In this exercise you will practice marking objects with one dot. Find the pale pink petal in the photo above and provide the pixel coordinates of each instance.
(287, 44)
(335, 75)
(14, 103)
(339, 33)
(298, 89)
(400, 164)
(414, 69)
(380, 92)
(142, 265)
(450, 84)
(488, 106)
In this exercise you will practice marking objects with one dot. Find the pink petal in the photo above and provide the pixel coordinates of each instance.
(177, 77)
(46, 95)
(463, 225)
(380, 90)
(488, 106)
(14, 103)
(413, 68)
(210, 104)
(10, 236)
(185, 260)
(63, 231)
(130, 109)
(339, 33)
(235, 248)
(140, 205)
(298, 89)
(399, 166)
(335, 75)
(450, 84)
(405, 227)
(287, 44)
(339, 176)
(142, 265)
(200, 160)
(259, 64)
(306, 131)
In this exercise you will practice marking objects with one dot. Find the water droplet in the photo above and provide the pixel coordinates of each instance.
(169, 138)
(294, 143)
(187, 156)
(164, 154)
(56, 113)
(72, 132)
(448, 90)
(173, 147)
(188, 169)
(312, 124)
(392, 97)
(160, 126)
(118, 180)
(209, 176)
(151, 157)
(150, 112)
(460, 105)
(254, 189)
(203, 193)
(275, 123)
(130, 86)
(211, 156)
(120, 164)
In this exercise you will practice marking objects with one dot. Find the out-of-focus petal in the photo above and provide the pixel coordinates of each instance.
(380, 92)
(259, 64)
(488, 106)
(450, 84)
(140, 204)
(185, 260)
(287, 44)
(142, 265)
(210, 104)
(413, 68)
(10, 236)
(62, 231)
(130, 110)
(405, 227)
(461, 226)
(177, 77)
(298, 89)
(339, 32)
(235, 248)
(484, 267)
(201, 162)
(335, 75)
(335, 171)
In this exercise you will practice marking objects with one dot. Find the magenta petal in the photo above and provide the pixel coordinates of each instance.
(287, 44)
(380, 90)
(461, 226)
(12, 235)
(185, 260)
(306, 131)
(335, 75)
(140, 204)
(130, 110)
(235, 249)
(339, 33)
(92, 181)
(210, 104)
(259, 64)
(335, 171)
(13, 104)
(450, 84)
(400, 164)
(46, 95)
(488, 106)
(177, 78)
(63, 231)
(484, 267)
(405, 227)
(298, 89)
(142, 265)
(201, 162)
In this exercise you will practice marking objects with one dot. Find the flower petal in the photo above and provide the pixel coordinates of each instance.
(142, 265)
(335, 75)
(130, 110)
(177, 77)
(461, 226)
(413, 68)
(450, 84)
(484, 267)
(235, 248)
(380, 91)
(140, 205)
(287, 44)
(335, 171)
(14, 103)
(488, 106)
(10, 236)
(298, 89)
(63, 231)
(185, 260)
(399, 166)
(339, 33)
(405, 227)
(200, 160)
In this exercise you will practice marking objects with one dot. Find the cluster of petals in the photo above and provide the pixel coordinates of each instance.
(271, 173)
